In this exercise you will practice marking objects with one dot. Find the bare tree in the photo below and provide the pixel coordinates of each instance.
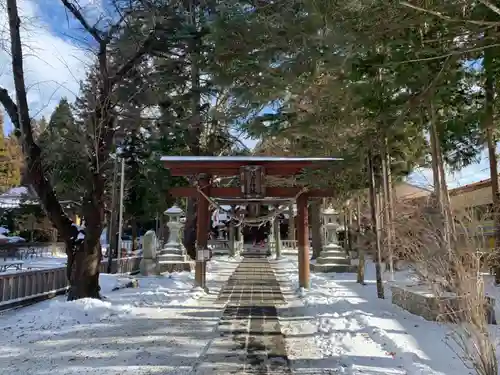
(83, 249)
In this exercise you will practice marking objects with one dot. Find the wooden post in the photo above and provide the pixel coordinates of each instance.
(291, 223)
(303, 240)
(232, 233)
(203, 221)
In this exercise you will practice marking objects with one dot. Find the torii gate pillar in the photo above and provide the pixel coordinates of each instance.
(303, 240)
(203, 222)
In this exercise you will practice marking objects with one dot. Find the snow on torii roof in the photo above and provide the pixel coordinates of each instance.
(230, 165)
(222, 159)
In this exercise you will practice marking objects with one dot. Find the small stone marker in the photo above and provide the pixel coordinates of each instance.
(147, 266)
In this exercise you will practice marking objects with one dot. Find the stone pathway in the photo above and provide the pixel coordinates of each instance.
(250, 340)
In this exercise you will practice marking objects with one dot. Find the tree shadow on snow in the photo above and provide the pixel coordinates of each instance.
(352, 310)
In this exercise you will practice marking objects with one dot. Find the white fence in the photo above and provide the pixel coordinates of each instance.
(222, 247)
(289, 244)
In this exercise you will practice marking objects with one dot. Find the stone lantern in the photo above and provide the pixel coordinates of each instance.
(331, 224)
(174, 225)
(333, 257)
(172, 257)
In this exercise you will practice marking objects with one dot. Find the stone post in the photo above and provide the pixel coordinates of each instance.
(277, 237)
(241, 238)
(220, 228)
(232, 239)
(271, 237)
(148, 262)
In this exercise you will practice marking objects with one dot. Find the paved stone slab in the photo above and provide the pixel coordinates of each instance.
(250, 339)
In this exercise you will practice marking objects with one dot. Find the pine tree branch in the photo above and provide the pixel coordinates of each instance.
(104, 41)
(92, 30)
(443, 56)
(450, 19)
(135, 59)
(491, 6)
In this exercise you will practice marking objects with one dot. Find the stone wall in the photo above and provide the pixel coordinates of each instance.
(420, 300)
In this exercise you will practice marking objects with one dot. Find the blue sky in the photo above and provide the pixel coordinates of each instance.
(54, 62)
(57, 54)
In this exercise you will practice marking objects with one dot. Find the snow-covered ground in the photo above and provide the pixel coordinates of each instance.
(50, 261)
(161, 327)
(339, 326)
(37, 263)
(164, 327)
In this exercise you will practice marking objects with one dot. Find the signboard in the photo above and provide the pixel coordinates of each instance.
(252, 181)
(202, 255)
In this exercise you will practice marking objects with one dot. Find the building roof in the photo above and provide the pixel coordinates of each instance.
(13, 198)
(16, 196)
(243, 159)
(471, 187)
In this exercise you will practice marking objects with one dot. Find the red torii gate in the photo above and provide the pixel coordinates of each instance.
(252, 171)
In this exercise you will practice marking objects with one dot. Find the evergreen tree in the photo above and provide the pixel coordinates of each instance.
(60, 141)
(16, 156)
(10, 173)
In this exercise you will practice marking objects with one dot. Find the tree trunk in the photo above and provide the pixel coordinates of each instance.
(386, 206)
(491, 139)
(349, 229)
(189, 239)
(84, 272)
(436, 172)
(359, 246)
(448, 216)
(195, 132)
(376, 227)
(19, 115)
(315, 212)
(390, 207)
(194, 42)
(441, 191)
(381, 221)
(83, 259)
(83, 269)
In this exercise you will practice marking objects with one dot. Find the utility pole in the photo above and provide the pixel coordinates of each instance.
(120, 220)
(112, 220)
